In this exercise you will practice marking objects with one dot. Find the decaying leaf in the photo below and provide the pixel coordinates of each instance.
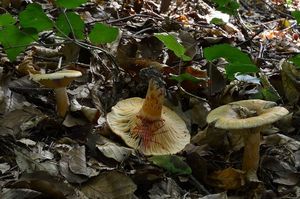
(167, 188)
(228, 179)
(290, 81)
(26, 118)
(73, 165)
(111, 150)
(19, 193)
(283, 173)
(113, 185)
(282, 140)
(222, 195)
(4, 167)
(49, 186)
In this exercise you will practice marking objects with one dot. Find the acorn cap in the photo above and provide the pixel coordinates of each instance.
(261, 113)
(158, 135)
(56, 80)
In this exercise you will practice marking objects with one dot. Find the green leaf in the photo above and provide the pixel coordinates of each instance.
(34, 17)
(295, 60)
(15, 41)
(233, 68)
(185, 76)
(172, 44)
(266, 94)
(230, 53)
(6, 20)
(172, 163)
(227, 6)
(70, 3)
(238, 61)
(217, 21)
(102, 34)
(269, 95)
(65, 20)
(296, 15)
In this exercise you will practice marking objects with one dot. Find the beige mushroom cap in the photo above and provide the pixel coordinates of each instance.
(57, 79)
(169, 137)
(227, 117)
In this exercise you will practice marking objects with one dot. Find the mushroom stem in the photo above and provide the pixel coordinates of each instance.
(153, 103)
(251, 153)
(62, 101)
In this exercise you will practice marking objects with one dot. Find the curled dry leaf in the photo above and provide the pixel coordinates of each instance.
(111, 150)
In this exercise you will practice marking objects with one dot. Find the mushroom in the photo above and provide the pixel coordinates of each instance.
(59, 81)
(147, 125)
(247, 118)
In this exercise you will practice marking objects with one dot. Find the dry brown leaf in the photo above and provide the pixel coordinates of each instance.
(113, 185)
(228, 179)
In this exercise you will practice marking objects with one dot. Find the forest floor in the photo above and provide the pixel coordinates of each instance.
(48, 154)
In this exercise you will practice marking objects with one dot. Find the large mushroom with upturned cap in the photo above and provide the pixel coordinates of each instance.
(147, 125)
(59, 81)
(247, 118)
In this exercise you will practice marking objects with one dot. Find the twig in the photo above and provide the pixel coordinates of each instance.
(200, 187)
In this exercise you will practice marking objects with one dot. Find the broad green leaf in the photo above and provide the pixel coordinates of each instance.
(295, 60)
(73, 20)
(242, 68)
(238, 61)
(70, 3)
(102, 34)
(172, 163)
(34, 17)
(296, 15)
(185, 76)
(227, 6)
(172, 44)
(15, 41)
(228, 52)
(6, 20)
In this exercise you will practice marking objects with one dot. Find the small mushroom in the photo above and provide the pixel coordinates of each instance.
(147, 125)
(247, 118)
(59, 81)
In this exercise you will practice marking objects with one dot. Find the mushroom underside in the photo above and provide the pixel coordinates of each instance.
(168, 136)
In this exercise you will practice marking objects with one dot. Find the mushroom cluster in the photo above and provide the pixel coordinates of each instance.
(247, 118)
(59, 81)
(147, 125)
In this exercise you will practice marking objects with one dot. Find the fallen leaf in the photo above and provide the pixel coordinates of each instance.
(112, 185)
(111, 150)
(167, 188)
(172, 163)
(228, 179)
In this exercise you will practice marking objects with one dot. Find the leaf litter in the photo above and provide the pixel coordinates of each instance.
(44, 156)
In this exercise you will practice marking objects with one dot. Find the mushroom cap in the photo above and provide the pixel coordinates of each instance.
(227, 117)
(169, 138)
(57, 79)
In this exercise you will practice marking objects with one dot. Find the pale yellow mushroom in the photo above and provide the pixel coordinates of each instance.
(247, 118)
(59, 81)
(147, 125)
